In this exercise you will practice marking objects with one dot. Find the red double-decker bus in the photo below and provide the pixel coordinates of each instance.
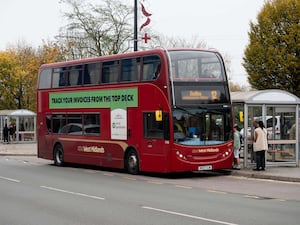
(156, 110)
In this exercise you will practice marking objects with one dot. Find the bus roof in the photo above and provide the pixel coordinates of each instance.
(122, 55)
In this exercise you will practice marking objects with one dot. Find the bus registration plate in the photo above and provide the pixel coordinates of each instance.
(207, 167)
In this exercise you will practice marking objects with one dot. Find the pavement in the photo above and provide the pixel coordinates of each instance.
(281, 173)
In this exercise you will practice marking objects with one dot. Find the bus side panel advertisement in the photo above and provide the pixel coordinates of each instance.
(117, 100)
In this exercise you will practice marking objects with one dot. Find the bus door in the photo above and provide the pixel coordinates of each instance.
(155, 143)
(44, 136)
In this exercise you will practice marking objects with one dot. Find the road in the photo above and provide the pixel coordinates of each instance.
(34, 192)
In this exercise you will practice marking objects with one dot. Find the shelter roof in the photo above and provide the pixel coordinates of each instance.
(269, 96)
(17, 112)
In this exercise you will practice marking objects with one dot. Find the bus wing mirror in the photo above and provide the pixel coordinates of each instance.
(158, 115)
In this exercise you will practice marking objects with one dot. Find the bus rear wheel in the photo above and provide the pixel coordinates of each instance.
(132, 162)
(58, 155)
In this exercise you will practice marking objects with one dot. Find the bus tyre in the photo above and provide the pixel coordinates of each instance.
(58, 155)
(132, 162)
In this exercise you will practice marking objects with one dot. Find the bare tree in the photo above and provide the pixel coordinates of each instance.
(95, 30)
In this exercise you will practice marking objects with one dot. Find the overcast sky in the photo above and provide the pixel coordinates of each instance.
(222, 24)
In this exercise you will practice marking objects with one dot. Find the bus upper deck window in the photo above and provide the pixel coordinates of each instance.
(130, 69)
(74, 75)
(73, 78)
(45, 79)
(110, 71)
(59, 78)
(151, 67)
(92, 73)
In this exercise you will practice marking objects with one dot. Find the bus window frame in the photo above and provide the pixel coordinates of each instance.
(153, 68)
(110, 71)
(136, 73)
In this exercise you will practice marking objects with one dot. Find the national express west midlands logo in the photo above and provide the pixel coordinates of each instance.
(94, 149)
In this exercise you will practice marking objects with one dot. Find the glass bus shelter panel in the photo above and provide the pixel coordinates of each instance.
(248, 133)
(280, 124)
(26, 128)
(281, 152)
(238, 110)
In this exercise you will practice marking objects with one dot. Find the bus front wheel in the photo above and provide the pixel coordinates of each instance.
(58, 155)
(132, 162)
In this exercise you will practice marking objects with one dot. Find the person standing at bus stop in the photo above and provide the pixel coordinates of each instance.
(11, 132)
(237, 147)
(5, 134)
(260, 145)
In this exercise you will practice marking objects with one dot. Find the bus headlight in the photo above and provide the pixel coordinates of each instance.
(225, 153)
(180, 155)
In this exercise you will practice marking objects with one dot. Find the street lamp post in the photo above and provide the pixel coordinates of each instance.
(135, 38)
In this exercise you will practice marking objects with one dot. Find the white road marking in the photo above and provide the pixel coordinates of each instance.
(218, 192)
(108, 174)
(185, 187)
(251, 196)
(73, 193)
(10, 179)
(129, 178)
(188, 216)
(154, 182)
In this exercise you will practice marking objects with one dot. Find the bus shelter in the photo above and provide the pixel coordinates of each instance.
(279, 111)
(22, 125)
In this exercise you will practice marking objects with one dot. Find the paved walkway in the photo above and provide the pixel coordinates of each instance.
(22, 149)
(282, 173)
